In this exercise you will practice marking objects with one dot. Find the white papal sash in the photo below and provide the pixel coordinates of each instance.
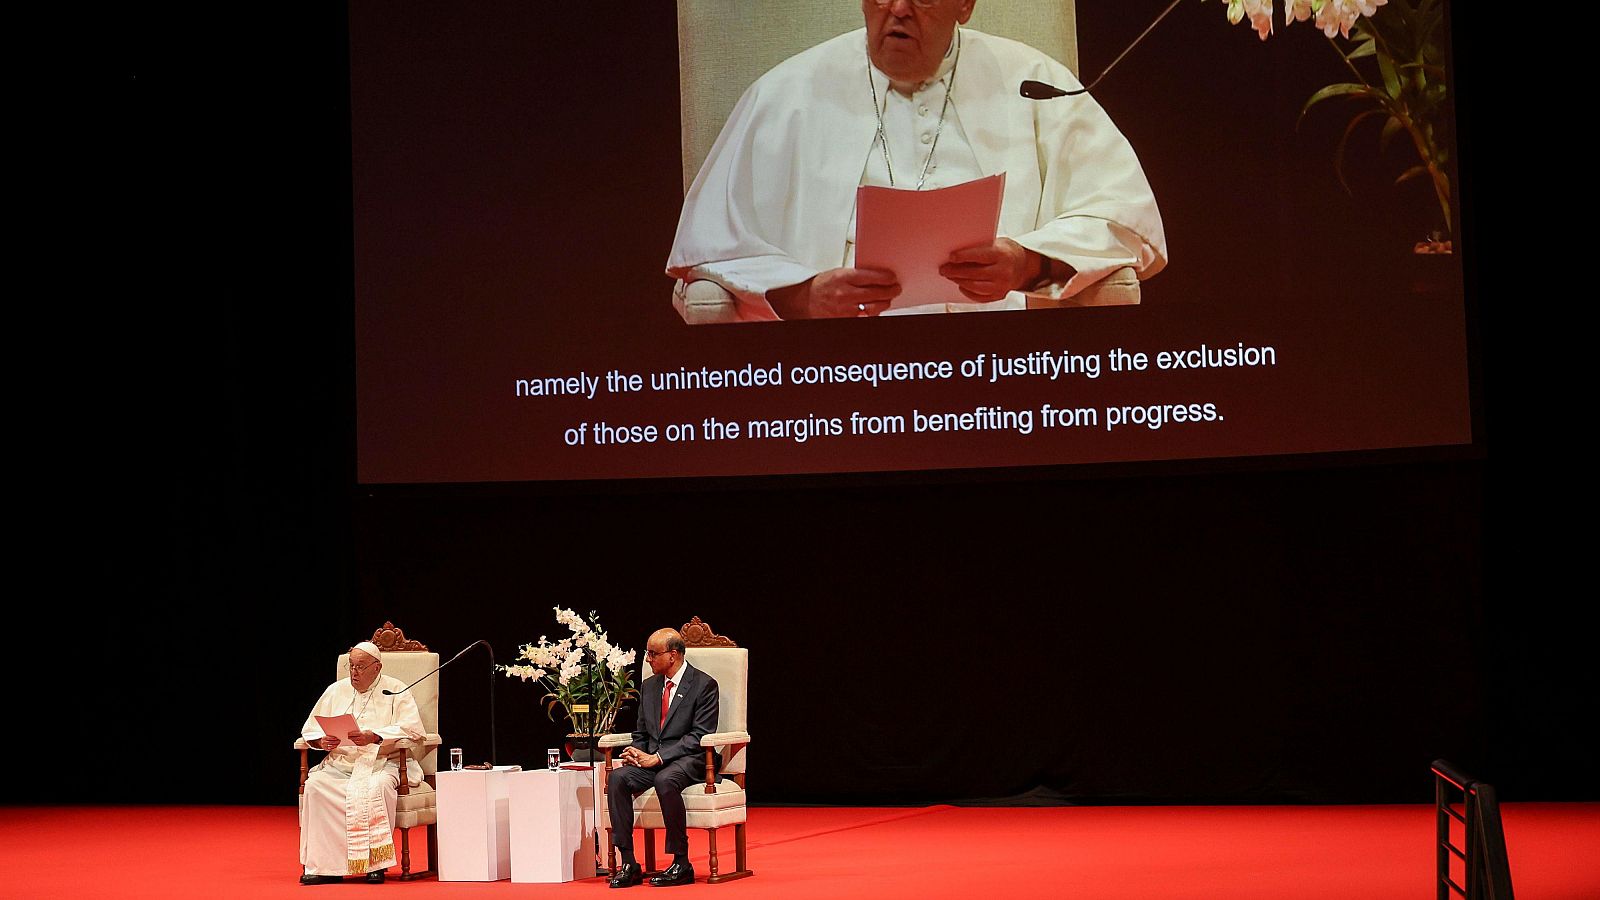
(370, 838)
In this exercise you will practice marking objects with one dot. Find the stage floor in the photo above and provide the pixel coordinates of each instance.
(1104, 853)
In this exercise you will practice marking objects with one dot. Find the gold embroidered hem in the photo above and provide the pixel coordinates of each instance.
(375, 856)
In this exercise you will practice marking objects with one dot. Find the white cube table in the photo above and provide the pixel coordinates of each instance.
(552, 826)
(474, 825)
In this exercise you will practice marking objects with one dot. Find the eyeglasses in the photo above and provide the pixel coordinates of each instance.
(652, 654)
(362, 667)
(919, 4)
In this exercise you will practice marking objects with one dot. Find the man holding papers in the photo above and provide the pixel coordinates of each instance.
(346, 816)
(912, 102)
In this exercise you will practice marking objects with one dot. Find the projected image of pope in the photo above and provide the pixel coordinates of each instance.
(913, 101)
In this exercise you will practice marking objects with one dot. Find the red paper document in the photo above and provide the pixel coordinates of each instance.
(338, 726)
(912, 233)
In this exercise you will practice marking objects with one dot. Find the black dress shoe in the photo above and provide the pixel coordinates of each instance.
(320, 879)
(674, 875)
(627, 875)
(375, 877)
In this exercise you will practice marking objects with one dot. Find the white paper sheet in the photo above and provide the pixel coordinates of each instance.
(913, 233)
(338, 726)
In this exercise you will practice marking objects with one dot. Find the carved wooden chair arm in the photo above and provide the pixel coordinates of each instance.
(398, 750)
(710, 743)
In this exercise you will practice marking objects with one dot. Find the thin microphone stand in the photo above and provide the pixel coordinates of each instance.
(1035, 90)
(494, 746)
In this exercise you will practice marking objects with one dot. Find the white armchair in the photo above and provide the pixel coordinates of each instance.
(722, 50)
(720, 801)
(416, 806)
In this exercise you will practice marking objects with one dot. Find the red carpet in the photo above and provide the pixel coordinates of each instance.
(1104, 853)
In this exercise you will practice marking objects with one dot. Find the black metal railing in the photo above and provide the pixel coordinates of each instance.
(1484, 860)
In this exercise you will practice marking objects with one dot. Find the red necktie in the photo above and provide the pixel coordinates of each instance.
(666, 700)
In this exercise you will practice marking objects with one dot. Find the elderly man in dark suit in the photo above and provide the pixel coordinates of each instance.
(677, 706)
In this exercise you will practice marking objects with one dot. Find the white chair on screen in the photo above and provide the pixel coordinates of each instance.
(722, 50)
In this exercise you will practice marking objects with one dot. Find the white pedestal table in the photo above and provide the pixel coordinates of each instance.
(475, 824)
(552, 825)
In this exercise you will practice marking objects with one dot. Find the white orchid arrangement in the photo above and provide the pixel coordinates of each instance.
(584, 674)
(1410, 92)
(1332, 16)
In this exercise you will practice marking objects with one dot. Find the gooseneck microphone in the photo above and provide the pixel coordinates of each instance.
(1038, 90)
(442, 665)
(494, 752)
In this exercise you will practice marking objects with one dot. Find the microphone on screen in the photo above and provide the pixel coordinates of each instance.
(1038, 90)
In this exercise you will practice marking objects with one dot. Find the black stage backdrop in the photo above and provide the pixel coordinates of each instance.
(1289, 630)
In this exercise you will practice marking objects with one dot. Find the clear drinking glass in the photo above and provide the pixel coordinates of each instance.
(455, 759)
(552, 758)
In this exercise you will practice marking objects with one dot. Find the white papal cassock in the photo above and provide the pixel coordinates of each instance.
(774, 203)
(347, 814)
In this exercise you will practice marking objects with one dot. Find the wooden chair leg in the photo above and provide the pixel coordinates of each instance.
(650, 852)
(711, 840)
(743, 870)
(430, 841)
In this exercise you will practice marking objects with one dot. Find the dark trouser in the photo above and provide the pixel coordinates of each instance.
(669, 780)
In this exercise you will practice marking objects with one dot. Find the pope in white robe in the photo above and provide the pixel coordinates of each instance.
(347, 812)
(771, 215)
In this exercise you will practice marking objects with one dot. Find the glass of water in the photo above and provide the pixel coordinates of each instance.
(552, 758)
(455, 759)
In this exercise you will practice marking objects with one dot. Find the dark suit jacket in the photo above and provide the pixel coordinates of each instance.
(692, 715)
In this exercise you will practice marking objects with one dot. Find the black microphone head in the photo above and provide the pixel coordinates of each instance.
(389, 693)
(1038, 90)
